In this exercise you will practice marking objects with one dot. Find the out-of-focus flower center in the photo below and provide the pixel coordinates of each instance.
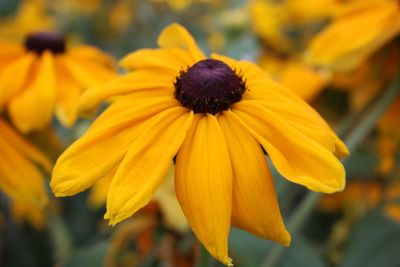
(209, 86)
(42, 41)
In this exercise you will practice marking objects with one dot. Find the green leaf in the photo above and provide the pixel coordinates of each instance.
(89, 256)
(375, 241)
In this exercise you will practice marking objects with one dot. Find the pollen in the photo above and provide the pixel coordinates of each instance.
(209, 86)
(42, 41)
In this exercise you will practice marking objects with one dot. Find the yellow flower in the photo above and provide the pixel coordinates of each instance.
(306, 81)
(19, 176)
(212, 114)
(31, 16)
(43, 76)
(180, 5)
(359, 31)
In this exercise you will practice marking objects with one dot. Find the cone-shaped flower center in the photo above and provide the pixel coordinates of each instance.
(41, 41)
(209, 86)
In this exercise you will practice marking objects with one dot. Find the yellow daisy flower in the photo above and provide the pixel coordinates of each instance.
(43, 76)
(356, 33)
(212, 114)
(20, 178)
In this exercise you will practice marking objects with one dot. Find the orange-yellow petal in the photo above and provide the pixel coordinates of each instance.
(255, 204)
(147, 162)
(32, 109)
(203, 184)
(175, 35)
(296, 156)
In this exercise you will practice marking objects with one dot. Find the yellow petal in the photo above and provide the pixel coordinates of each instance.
(68, 94)
(132, 82)
(170, 59)
(175, 35)
(138, 177)
(14, 76)
(91, 53)
(32, 109)
(84, 72)
(296, 156)
(24, 147)
(255, 205)
(203, 184)
(18, 176)
(106, 142)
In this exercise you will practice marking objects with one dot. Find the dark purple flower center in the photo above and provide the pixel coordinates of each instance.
(42, 41)
(209, 86)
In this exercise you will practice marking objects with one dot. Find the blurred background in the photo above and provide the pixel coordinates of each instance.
(340, 56)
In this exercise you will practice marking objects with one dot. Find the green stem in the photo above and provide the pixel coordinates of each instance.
(360, 128)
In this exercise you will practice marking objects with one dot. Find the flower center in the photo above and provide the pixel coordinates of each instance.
(42, 41)
(209, 86)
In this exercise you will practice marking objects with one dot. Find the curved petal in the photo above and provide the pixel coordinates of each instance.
(175, 35)
(32, 109)
(255, 204)
(68, 94)
(84, 72)
(14, 75)
(98, 192)
(296, 156)
(18, 176)
(23, 147)
(170, 59)
(106, 142)
(138, 177)
(128, 83)
(91, 53)
(203, 184)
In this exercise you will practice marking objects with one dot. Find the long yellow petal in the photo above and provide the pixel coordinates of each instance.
(170, 59)
(32, 109)
(147, 162)
(175, 35)
(14, 76)
(68, 94)
(18, 176)
(255, 205)
(203, 184)
(296, 156)
(91, 53)
(136, 81)
(106, 142)
(24, 147)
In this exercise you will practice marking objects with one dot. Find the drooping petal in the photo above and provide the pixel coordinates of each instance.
(24, 147)
(203, 184)
(18, 176)
(128, 83)
(68, 94)
(147, 162)
(32, 109)
(172, 59)
(14, 75)
(106, 142)
(99, 191)
(296, 156)
(255, 205)
(91, 53)
(175, 35)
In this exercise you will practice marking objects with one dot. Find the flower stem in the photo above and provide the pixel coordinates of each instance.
(353, 132)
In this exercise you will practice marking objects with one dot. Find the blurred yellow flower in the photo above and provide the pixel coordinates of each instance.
(43, 76)
(73, 6)
(306, 81)
(212, 114)
(20, 178)
(180, 5)
(356, 33)
(31, 16)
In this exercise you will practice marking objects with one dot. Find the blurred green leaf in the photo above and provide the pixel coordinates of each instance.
(375, 242)
(89, 256)
(302, 253)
